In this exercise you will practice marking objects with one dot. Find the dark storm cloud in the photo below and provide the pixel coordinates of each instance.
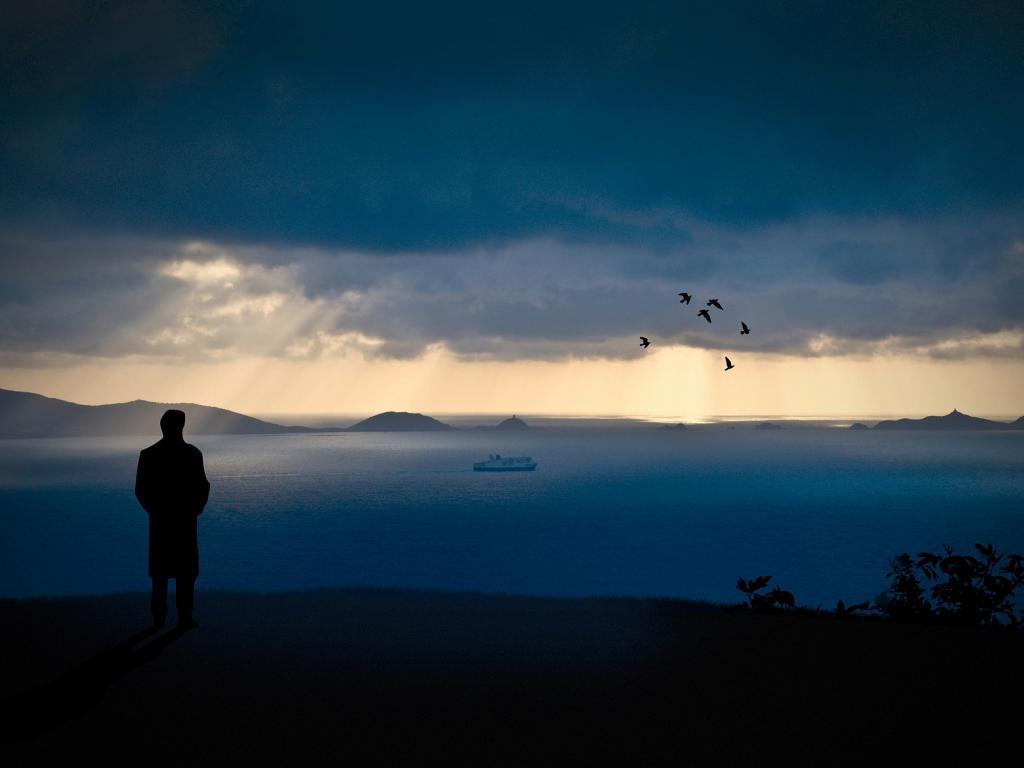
(510, 179)
(411, 125)
(544, 299)
(538, 299)
(78, 296)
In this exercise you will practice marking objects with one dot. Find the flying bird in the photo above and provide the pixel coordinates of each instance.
(728, 364)
(686, 298)
(704, 313)
(644, 342)
(714, 303)
(745, 329)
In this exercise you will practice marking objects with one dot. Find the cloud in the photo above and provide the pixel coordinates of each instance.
(202, 272)
(196, 181)
(408, 127)
(801, 287)
(127, 297)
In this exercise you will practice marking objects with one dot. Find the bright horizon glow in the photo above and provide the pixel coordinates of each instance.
(443, 225)
(670, 384)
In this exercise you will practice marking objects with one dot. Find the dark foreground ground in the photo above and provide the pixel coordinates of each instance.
(368, 676)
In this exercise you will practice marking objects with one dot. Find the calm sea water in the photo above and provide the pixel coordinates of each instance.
(608, 512)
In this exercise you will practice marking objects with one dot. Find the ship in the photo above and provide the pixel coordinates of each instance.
(498, 463)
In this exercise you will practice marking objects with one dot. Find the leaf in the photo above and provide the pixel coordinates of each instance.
(782, 597)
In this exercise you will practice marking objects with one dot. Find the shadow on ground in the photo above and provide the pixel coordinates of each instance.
(42, 709)
(382, 675)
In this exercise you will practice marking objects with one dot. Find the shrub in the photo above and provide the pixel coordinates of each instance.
(977, 591)
(843, 610)
(775, 600)
(971, 590)
(968, 590)
(905, 598)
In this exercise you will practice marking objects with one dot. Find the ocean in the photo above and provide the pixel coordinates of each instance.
(629, 511)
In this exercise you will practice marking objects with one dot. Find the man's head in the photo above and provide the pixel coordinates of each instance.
(172, 423)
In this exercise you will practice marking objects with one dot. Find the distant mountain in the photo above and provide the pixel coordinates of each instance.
(24, 414)
(513, 423)
(768, 425)
(399, 421)
(675, 427)
(858, 426)
(954, 420)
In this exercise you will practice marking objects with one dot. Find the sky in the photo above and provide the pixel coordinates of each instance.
(464, 207)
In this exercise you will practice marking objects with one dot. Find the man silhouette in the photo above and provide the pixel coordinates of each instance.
(171, 485)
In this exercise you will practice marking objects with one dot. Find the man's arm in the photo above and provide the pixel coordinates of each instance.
(202, 485)
(142, 486)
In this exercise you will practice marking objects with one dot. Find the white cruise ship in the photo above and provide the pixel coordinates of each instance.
(499, 463)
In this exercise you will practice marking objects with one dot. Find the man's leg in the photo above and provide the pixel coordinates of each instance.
(158, 603)
(184, 596)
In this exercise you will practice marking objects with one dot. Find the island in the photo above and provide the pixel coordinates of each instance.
(26, 414)
(954, 420)
(768, 425)
(858, 426)
(400, 421)
(674, 427)
(513, 423)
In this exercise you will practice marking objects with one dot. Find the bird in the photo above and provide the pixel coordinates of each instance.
(745, 329)
(644, 342)
(714, 303)
(704, 313)
(686, 298)
(728, 364)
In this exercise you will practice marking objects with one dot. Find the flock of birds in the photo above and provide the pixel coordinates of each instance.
(684, 298)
